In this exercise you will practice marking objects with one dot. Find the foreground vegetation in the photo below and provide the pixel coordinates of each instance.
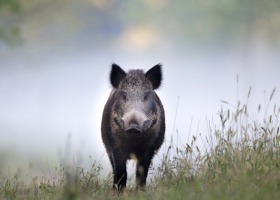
(239, 159)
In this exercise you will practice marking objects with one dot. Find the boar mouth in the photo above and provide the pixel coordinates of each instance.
(133, 131)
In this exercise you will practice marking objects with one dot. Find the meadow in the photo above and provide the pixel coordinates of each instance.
(239, 159)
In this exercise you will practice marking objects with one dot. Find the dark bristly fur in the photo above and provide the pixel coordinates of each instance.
(133, 122)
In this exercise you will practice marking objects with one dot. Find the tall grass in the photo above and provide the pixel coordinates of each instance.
(239, 159)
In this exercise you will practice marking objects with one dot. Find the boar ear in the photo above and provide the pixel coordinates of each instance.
(155, 76)
(116, 75)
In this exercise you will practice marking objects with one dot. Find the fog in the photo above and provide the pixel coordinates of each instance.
(54, 82)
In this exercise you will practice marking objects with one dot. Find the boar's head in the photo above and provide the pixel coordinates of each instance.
(136, 108)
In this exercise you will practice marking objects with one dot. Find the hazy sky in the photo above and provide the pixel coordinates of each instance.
(51, 89)
(40, 106)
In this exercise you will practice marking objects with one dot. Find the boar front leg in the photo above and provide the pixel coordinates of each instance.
(142, 169)
(119, 170)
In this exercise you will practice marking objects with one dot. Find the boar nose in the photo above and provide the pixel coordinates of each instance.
(133, 130)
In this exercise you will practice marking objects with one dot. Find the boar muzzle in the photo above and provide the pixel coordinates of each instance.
(133, 130)
(135, 123)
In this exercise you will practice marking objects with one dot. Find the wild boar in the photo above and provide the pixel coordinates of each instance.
(133, 122)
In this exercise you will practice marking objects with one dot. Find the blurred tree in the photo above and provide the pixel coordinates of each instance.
(211, 22)
(9, 34)
(13, 5)
(220, 21)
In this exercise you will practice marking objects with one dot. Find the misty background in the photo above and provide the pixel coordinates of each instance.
(55, 58)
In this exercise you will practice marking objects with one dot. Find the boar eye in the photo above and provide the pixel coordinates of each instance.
(146, 95)
(123, 96)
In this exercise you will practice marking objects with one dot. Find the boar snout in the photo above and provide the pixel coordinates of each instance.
(133, 130)
(135, 123)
